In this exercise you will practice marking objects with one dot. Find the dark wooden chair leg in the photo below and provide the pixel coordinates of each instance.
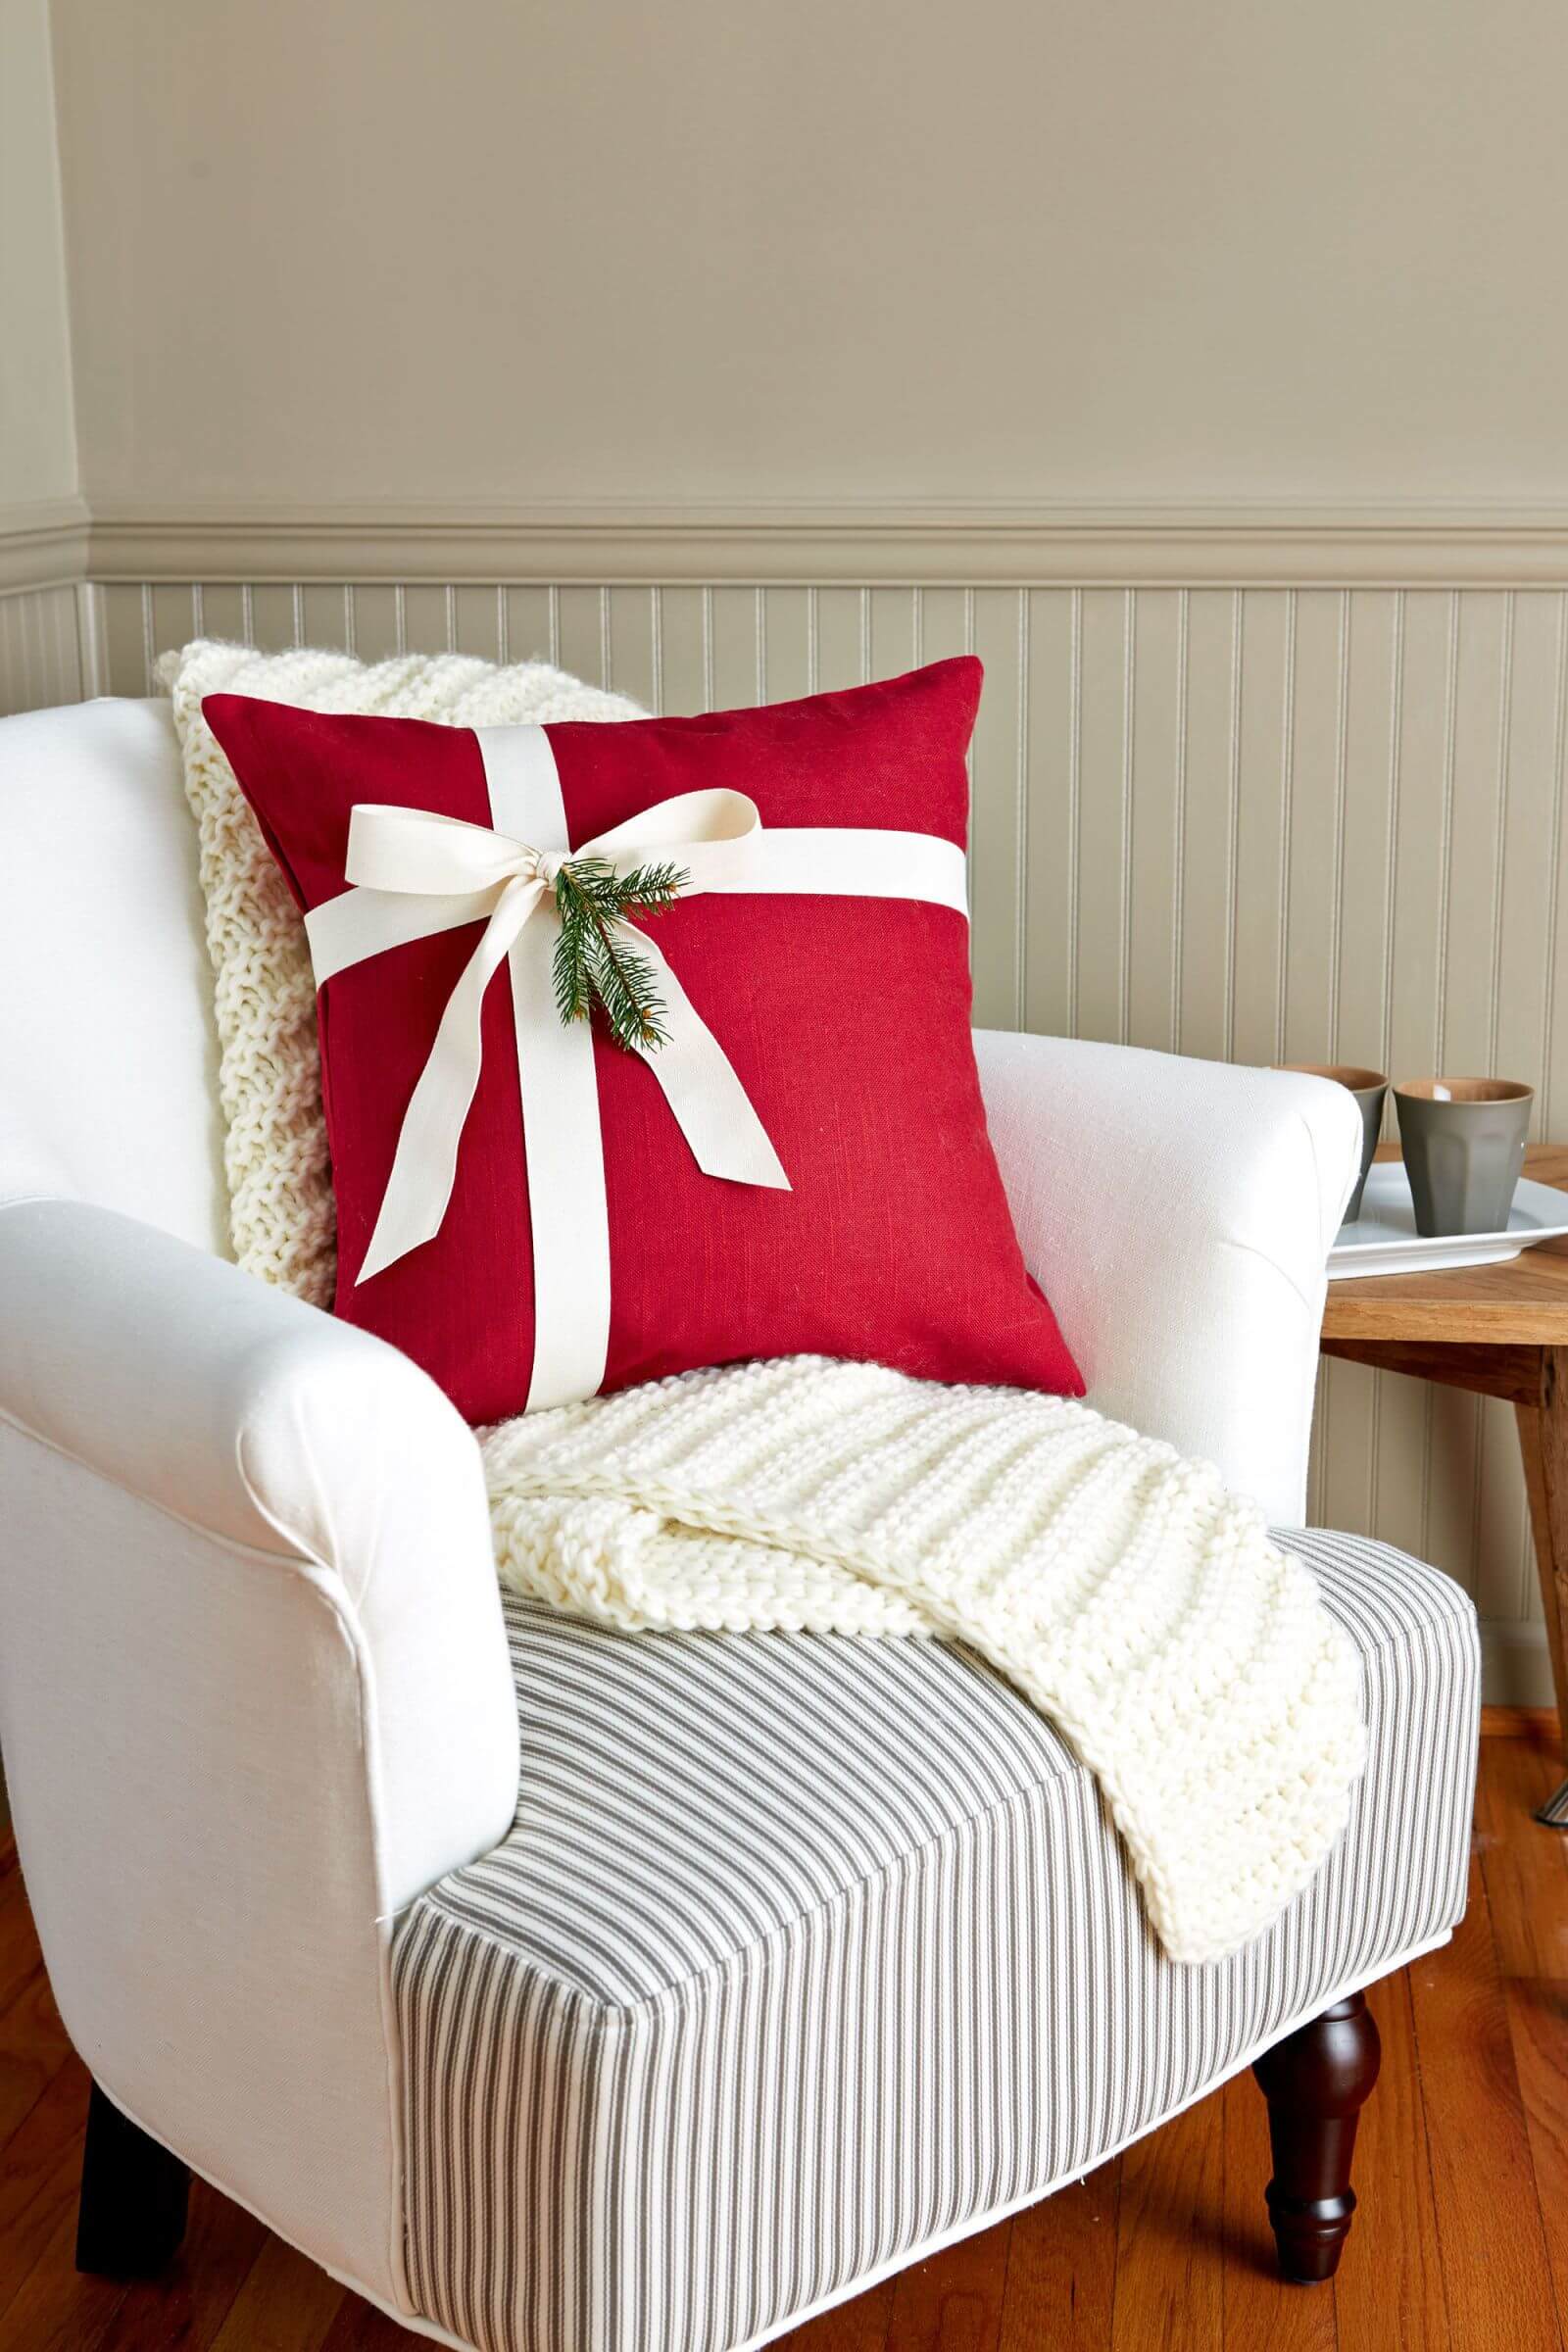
(1316, 2082)
(131, 2216)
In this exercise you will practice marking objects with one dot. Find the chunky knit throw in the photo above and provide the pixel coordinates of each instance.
(1123, 1589)
(282, 1220)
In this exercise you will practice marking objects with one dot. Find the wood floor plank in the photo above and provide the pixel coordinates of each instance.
(18, 1938)
(34, 2047)
(183, 2311)
(40, 2168)
(860, 2325)
(1389, 2293)
(1525, 1867)
(1496, 2275)
(1538, 2033)
(360, 2328)
(952, 2303)
(285, 2305)
(56, 2309)
(1170, 2236)
(1061, 2269)
(1257, 2307)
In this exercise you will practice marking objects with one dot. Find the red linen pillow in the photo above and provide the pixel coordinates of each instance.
(808, 1018)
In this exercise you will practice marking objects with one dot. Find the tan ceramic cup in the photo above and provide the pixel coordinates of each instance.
(1464, 1146)
(1369, 1088)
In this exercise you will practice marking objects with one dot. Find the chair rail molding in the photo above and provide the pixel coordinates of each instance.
(798, 545)
(42, 544)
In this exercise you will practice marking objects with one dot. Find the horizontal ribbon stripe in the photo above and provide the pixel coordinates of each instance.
(414, 874)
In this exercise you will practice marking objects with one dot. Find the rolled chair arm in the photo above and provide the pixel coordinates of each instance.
(264, 1422)
(1178, 1214)
(253, 1696)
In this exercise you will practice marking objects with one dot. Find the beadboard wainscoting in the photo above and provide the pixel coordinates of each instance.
(1237, 818)
(48, 653)
(44, 654)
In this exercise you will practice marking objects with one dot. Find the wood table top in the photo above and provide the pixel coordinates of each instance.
(1524, 1301)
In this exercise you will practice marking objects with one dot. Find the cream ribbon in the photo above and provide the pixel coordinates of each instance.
(414, 874)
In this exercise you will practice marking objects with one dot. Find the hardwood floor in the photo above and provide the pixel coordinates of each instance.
(1461, 2243)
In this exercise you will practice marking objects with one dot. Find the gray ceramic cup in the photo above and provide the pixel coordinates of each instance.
(1464, 1146)
(1369, 1088)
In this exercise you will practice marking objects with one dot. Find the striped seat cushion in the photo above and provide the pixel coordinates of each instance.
(806, 1953)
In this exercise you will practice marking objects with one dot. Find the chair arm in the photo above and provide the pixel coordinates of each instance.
(253, 1695)
(1177, 1215)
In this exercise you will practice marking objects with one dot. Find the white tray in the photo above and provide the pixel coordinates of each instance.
(1383, 1240)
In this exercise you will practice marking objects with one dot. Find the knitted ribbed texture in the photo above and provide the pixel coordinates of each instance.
(1124, 1591)
(283, 1216)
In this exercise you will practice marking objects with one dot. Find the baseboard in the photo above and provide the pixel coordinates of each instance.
(802, 545)
(1516, 1668)
(1519, 1722)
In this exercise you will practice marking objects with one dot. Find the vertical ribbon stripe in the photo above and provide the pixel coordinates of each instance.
(569, 1213)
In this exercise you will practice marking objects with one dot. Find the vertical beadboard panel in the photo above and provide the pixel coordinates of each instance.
(1205, 977)
(42, 658)
(1159, 786)
(686, 648)
(476, 622)
(1106, 656)
(1313, 754)
(895, 629)
(1257, 997)
(325, 616)
(582, 633)
(632, 644)
(1263, 824)
(840, 638)
(998, 814)
(219, 609)
(787, 642)
(1052, 740)
(737, 647)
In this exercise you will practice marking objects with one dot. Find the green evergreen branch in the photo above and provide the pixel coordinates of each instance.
(594, 964)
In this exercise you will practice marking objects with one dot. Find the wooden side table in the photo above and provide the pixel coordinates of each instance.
(1497, 1331)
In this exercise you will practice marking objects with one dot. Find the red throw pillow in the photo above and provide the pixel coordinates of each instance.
(809, 1018)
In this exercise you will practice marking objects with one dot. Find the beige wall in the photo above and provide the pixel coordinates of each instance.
(37, 427)
(357, 250)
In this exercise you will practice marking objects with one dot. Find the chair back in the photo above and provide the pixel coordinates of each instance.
(107, 1053)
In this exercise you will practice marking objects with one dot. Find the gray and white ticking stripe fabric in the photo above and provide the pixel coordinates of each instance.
(804, 1950)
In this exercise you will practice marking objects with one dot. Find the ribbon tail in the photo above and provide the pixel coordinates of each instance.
(424, 1163)
(709, 1105)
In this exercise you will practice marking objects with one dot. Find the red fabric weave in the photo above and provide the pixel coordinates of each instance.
(847, 1020)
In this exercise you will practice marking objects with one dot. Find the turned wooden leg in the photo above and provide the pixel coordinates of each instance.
(1315, 2083)
(1544, 1445)
(131, 2216)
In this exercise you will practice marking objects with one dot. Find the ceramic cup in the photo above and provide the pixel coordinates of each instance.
(1369, 1088)
(1464, 1146)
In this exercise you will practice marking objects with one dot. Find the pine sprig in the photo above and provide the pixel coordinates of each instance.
(594, 961)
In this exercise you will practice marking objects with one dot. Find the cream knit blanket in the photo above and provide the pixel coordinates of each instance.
(1124, 1591)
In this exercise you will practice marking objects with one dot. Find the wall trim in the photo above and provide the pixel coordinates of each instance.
(1516, 1665)
(42, 545)
(1131, 546)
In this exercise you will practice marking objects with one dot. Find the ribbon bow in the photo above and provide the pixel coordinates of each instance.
(458, 872)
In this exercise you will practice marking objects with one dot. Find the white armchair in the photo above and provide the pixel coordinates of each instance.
(493, 2045)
